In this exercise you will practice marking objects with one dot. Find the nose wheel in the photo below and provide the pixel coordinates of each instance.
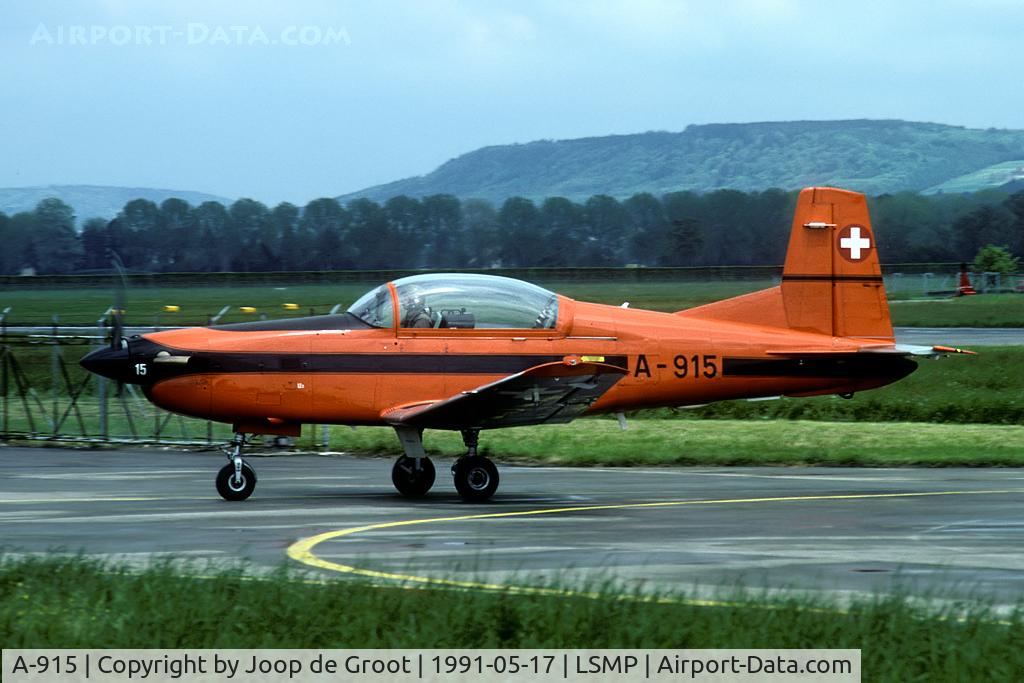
(236, 487)
(236, 480)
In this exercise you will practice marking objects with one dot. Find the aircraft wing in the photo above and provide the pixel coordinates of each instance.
(544, 394)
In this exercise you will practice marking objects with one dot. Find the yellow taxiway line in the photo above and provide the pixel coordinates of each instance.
(302, 550)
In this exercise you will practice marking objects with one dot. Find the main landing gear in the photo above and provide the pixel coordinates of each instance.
(236, 480)
(413, 474)
(476, 477)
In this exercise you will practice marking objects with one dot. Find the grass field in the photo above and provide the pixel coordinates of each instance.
(983, 310)
(721, 442)
(145, 305)
(74, 603)
(600, 441)
(987, 388)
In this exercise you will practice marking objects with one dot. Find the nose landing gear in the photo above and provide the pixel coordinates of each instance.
(236, 480)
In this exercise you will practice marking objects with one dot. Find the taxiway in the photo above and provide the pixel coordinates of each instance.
(951, 532)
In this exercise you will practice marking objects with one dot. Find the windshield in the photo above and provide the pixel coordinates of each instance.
(465, 301)
(374, 308)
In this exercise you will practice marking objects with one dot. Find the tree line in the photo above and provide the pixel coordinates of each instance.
(725, 227)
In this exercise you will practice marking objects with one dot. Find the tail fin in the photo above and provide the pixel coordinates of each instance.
(832, 280)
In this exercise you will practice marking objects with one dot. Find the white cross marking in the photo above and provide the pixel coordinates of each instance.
(855, 243)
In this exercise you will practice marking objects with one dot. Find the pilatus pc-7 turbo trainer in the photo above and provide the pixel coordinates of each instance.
(474, 352)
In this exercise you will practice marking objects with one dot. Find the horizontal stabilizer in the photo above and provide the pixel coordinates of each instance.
(933, 351)
(892, 349)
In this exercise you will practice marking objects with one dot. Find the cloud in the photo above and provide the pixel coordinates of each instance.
(497, 32)
(424, 80)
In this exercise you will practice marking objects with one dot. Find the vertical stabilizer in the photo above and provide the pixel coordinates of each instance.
(832, 280)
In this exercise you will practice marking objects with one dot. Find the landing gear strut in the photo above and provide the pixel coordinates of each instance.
(476, 477)
(413, 474)
(236, 480)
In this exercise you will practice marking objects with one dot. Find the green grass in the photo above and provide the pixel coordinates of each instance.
(598, 441)
(983, 389)
(74, 603)
(144, 305)
(988, 177)
(657, 296)
(983, 310)
(658, 442)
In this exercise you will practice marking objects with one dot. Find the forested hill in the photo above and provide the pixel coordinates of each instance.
(93, 201)
(874, 157)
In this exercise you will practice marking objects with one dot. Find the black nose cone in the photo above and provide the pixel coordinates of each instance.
(112, 363)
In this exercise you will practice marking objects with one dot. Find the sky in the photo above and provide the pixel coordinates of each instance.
(297, 100)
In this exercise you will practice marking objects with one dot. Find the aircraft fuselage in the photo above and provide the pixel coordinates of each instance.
(274, 378)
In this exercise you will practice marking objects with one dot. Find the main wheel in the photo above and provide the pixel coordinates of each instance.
(409, 481)
(476, 478)
(229, 489)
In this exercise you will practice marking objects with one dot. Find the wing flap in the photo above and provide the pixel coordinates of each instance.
(544, 394)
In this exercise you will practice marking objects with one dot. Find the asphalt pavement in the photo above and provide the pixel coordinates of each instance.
(945, 532)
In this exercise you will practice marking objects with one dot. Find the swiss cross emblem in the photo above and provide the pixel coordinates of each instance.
(855, 242)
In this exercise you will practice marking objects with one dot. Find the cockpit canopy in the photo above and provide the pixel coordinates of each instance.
(459, 301)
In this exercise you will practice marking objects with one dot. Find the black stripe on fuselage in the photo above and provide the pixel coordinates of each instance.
(346, 363)
(832, 278)
(372, 363)
(863, 366)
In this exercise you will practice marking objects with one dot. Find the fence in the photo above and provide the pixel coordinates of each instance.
(46, 395)
(943, 283)
(373, 277)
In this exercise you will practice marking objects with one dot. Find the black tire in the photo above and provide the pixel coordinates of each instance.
(410, 482)
(231, 490)
(476, 478)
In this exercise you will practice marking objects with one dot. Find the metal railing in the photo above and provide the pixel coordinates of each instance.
(46, 396)
(944, 283)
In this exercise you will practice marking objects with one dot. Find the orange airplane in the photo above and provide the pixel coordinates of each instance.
(472, 352)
